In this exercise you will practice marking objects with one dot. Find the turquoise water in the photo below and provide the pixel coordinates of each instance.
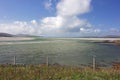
(65, 52)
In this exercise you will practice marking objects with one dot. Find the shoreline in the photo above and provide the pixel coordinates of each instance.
(99, 39)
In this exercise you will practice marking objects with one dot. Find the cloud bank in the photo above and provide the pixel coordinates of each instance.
(65, 22)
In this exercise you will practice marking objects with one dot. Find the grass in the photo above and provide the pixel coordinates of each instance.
(55, 72)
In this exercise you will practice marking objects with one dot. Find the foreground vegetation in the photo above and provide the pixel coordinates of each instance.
(55, 72)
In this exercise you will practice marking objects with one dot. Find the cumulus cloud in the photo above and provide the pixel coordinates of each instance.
(66, 20)
(18, 27)
(73, 7)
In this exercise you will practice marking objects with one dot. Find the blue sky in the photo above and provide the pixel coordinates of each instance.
(70, 18)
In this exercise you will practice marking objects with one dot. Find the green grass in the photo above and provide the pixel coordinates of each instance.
(55, 72)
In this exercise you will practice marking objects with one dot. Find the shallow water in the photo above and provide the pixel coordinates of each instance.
(65, 52)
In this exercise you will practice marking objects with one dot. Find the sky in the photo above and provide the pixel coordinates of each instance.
(60, 18)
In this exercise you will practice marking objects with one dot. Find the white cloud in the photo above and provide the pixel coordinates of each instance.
(89, 30)
(34, 22)
(73, 7)
(65, 21)
(52, 22)
(17, 27)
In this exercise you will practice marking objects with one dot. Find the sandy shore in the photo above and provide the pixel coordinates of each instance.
(20, 39)
(15, 38)
(100, 39)
(30, 38)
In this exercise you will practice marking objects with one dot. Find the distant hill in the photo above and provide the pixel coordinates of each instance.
(23, 35)
(6, 35)
(17, 35)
